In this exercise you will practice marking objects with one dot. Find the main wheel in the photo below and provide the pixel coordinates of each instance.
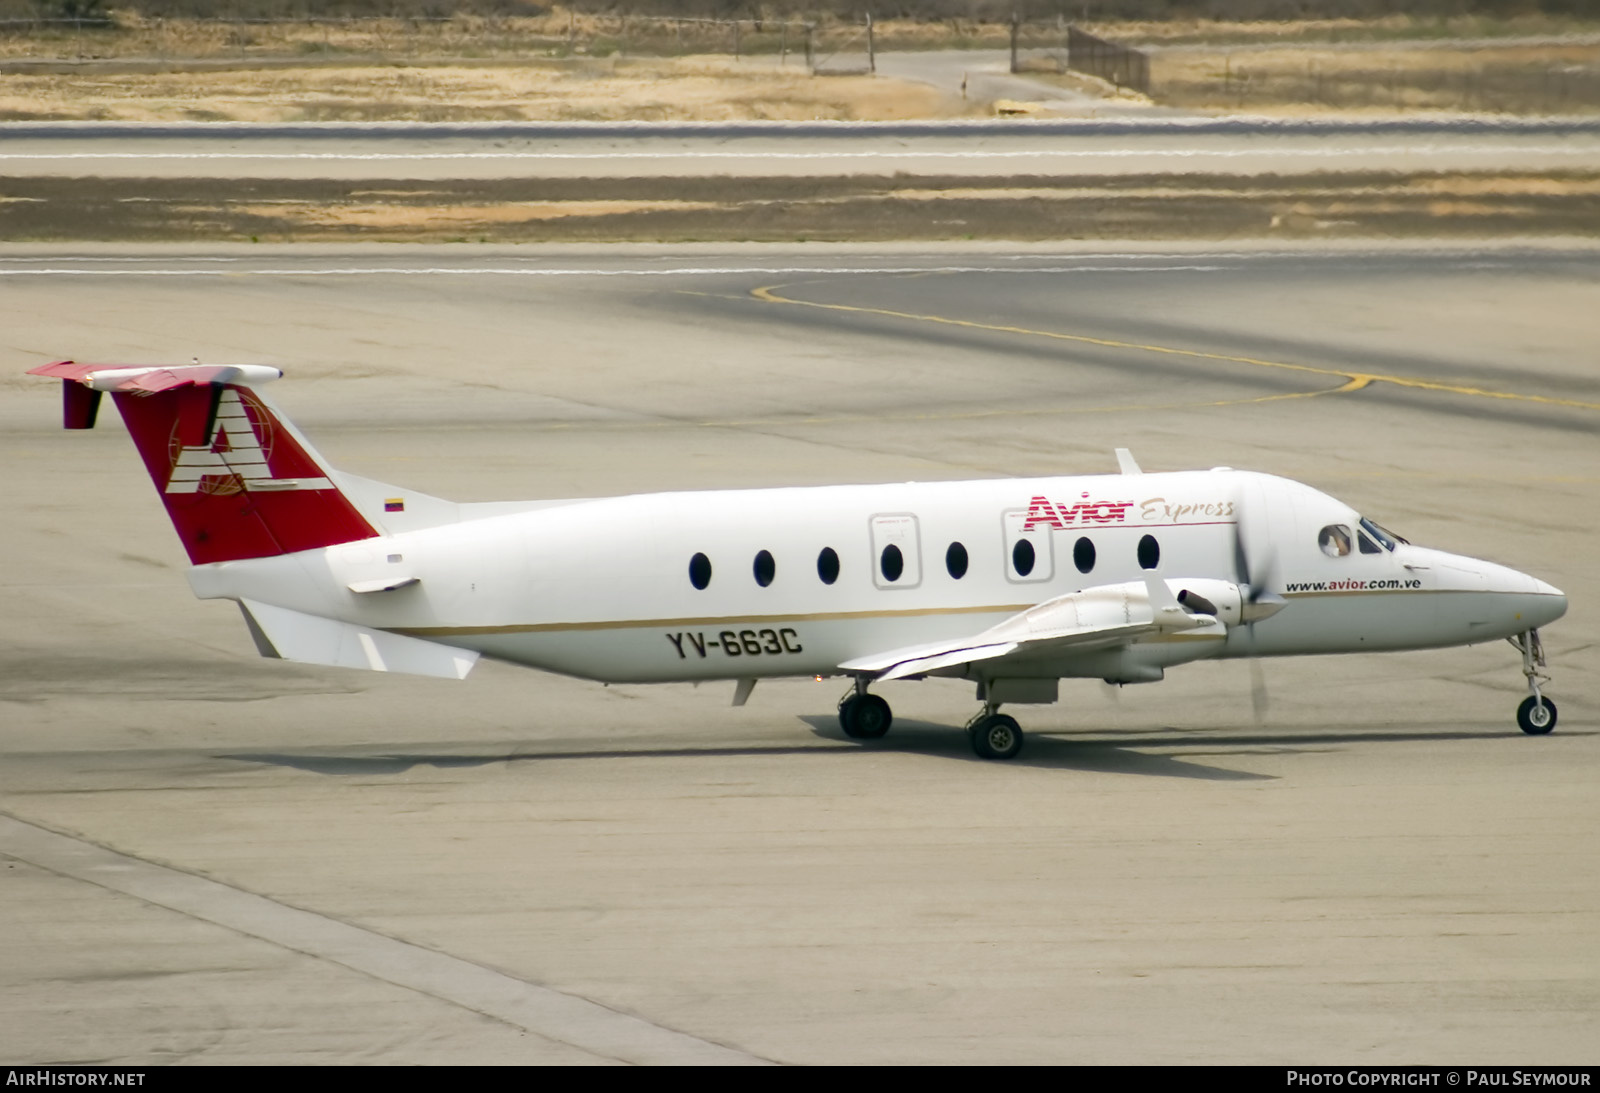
(1536, 716)
(997, 736)
(865, 717)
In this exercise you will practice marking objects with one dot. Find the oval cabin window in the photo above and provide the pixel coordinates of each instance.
(1083, 555)
(892, 563)
(828, 565)
(765, 568)
(955, 560)
(1149, 552)
(1022, 557)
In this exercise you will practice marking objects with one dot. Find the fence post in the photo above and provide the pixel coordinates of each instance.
(872, 53)
(736, 28)
(811, 31)
(1016, 23)
(783, 44)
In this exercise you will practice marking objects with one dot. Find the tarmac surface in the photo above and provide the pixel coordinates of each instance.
(214, 858)
(1130, 145)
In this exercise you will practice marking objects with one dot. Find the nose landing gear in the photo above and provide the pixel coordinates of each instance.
(1537, 714)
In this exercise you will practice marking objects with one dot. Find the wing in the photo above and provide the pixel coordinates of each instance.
(1095, 618)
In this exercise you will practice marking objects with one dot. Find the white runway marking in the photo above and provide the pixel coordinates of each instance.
(1568, 149)
(107, 258)
(549, 1013)
(682, 271)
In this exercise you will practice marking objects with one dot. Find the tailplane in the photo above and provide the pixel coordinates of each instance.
(238, 480)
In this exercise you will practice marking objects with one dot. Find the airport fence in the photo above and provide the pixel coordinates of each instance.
(1550, 80)
(1555, 78)
(1060, 47)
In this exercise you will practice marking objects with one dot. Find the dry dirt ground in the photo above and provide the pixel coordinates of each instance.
(1545, 78)
(581, 89)
(865, 207)
(563, 67)
(187, 75)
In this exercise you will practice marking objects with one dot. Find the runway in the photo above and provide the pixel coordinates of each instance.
(984, 148)
(217, 858)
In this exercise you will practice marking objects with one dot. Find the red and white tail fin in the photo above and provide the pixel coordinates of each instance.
(238, 479)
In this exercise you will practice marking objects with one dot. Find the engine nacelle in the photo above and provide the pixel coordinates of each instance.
(1208, 596)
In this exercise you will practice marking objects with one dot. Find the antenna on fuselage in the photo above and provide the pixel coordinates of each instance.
(1126, 463)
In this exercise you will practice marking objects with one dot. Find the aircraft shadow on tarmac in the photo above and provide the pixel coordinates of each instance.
(400, 762)
(1124, 755)
(1105, 756)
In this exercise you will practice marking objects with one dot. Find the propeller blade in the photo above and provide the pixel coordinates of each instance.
(1258, 691)
(1256, 585)
(1266, 579)
(1241, 564)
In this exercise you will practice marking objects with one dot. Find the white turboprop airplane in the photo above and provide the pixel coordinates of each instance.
(1014, 584)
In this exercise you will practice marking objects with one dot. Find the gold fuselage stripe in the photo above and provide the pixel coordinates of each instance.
(747, 621)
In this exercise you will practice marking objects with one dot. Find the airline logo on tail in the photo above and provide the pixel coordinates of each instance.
(236, 457)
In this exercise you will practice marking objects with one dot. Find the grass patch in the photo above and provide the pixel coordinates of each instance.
(1512, 79)
(1323, 205)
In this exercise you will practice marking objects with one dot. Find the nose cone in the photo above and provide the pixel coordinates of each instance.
(1533, 602)
(1548, 603)
(1516, 600)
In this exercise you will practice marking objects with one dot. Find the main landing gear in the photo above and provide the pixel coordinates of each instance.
(993, 735)
(864, 716)
(1537, 714)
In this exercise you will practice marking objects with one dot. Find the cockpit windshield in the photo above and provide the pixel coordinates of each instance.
(1386, 539)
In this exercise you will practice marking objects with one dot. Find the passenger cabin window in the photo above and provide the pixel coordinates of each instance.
(1334, 540)
(891, 563)
(1083, 555)
(1149, 552)
(955, 560)
(1029, 549)
(897, 542)
(700, 571)
(828, 565)
(1023, 557)
(765, 568)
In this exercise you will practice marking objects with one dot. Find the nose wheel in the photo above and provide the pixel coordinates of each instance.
(1537, 714)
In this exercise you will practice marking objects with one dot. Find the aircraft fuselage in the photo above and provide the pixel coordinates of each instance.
(799, 581)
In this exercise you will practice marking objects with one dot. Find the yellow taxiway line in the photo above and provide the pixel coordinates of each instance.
(1354, 380)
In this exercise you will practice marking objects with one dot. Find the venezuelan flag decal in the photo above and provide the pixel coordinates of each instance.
(395, 504)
